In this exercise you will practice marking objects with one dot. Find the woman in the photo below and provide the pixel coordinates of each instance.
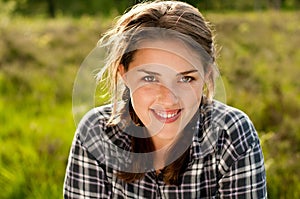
(163, 135)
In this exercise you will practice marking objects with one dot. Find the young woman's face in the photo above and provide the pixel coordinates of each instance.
(165, 81)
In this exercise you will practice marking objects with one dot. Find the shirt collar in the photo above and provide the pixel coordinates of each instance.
(206, 133)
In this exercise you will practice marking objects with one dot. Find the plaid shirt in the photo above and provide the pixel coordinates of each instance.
(225, 161)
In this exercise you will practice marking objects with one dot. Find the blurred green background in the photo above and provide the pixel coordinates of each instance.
(43, 43)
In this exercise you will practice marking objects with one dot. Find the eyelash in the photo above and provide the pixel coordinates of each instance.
(183, 79)
(190, 79)
(149, 78)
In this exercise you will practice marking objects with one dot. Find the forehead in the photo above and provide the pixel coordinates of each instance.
(173, 54)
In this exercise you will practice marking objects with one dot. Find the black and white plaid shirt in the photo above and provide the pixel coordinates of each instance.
(226, 160)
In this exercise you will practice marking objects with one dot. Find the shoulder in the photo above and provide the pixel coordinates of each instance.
(230, 119)
(236, 131)
(100, 139)
(225, 114)
(96, 118)
(96, 115)
(94, 130)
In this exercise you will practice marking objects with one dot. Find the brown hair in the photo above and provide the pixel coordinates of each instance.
(121, 41)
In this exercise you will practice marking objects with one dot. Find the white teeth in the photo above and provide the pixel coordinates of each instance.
(166, 115)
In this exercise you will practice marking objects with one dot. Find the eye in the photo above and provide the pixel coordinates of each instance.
(149, 78)
(186, 79)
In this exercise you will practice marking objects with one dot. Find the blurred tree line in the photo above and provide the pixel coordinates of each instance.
(52, 8)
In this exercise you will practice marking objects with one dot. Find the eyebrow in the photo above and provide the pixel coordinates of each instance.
(179, 74)
(149, 72)
(187, 72)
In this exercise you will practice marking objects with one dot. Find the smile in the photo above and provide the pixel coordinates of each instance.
(167, 116)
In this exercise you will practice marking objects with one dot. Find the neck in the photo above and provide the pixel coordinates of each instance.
(161, 147)
(161, 143)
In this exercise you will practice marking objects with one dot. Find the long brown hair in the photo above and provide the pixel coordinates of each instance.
(120, 41)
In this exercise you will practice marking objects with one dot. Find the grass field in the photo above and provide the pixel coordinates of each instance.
(259, 60)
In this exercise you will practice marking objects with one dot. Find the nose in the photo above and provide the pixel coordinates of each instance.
(166, 97)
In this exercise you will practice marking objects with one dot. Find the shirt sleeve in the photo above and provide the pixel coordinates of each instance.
(84, 178)
(241, 162)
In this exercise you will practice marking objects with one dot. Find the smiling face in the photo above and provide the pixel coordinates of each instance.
(165, 81)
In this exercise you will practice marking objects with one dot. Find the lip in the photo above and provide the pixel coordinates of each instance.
(167, 116)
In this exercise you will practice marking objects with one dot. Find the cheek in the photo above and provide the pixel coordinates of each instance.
(191, 97)
(143, 95)
(141, 100)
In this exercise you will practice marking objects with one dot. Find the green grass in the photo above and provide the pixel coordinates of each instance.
(259, 62)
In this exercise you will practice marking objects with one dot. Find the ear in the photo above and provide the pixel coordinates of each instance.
(208, 77)
(121, 71)
(209, 84)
